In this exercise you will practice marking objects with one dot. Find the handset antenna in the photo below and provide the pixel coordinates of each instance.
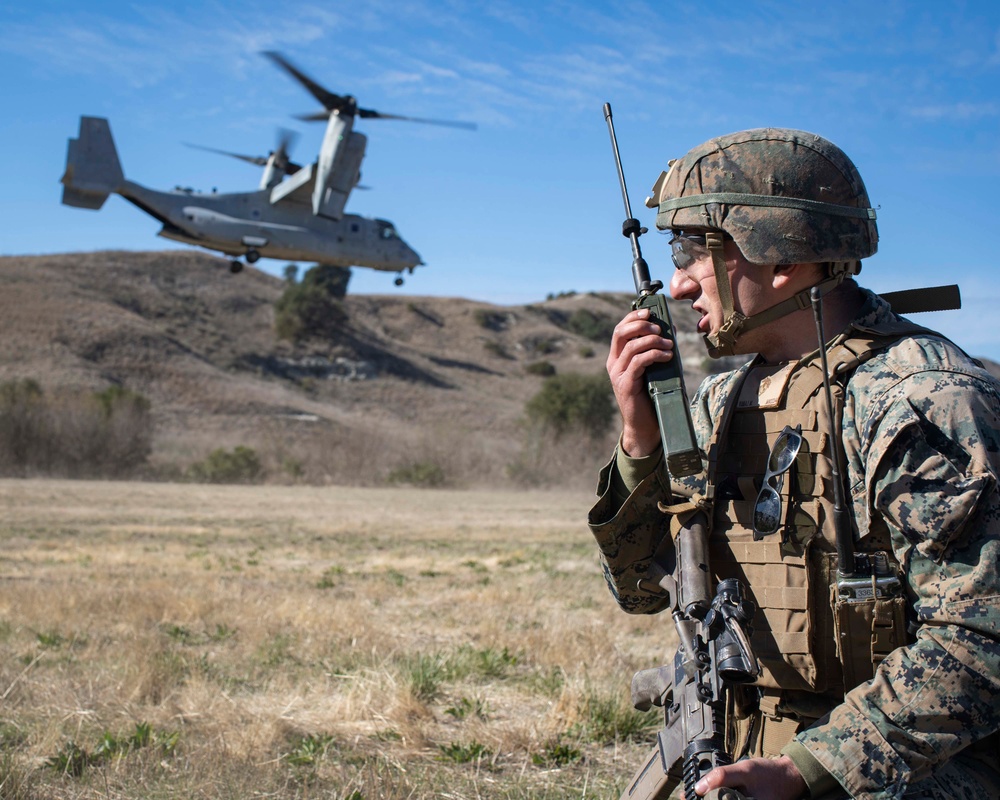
(841, 521)
(631, 227)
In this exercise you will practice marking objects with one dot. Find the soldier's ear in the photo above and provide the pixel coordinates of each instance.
(794, 276)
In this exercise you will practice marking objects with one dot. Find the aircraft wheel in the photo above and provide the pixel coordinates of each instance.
(398, 281)
(252, 256)
(235, 266)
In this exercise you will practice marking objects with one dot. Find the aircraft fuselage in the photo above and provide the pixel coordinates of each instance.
(237, 223)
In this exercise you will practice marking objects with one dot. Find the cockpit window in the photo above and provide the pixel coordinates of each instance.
(385, 230)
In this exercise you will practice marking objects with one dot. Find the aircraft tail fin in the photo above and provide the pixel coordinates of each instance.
(93, 170)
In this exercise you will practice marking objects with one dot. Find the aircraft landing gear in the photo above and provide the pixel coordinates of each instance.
(235, 266)
(252, 256)
(399, 280)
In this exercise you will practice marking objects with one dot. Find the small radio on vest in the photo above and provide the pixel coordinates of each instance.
(869, 606)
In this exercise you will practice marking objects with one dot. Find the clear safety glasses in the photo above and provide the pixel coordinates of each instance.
(687, 248)
(767, 509)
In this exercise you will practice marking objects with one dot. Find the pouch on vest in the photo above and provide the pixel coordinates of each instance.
(868, 607)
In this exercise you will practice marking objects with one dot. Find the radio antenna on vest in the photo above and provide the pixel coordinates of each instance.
(841, 521)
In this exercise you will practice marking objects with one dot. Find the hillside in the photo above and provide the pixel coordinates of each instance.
(409, 380)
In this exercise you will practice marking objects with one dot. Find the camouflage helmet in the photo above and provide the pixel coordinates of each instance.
(784, 196)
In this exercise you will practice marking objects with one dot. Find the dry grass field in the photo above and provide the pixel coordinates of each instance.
(166, 640)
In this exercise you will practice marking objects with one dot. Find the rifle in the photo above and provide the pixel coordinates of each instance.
(714, 649)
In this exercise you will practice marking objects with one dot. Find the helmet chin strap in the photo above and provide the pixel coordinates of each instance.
(723, 343)
(735, 324)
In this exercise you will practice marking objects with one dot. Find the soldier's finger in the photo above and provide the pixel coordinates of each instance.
(630, 327)
(631, 365)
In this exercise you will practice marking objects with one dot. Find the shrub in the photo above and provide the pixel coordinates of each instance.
(107, 433)
(497, 349)
(22, 421)
(420, 473)
(240, 465)
(312, 307)
(544, 346)
(127, 429)
(543, 368)
(491, 320)
(573, 402)
(596, 327)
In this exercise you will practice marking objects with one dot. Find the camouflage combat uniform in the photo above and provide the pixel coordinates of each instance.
(921, 436)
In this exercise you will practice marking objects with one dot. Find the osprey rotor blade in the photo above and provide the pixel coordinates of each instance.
(367, 113)
(260, 161)
(331, 102)
(347, 105)
(286, 139)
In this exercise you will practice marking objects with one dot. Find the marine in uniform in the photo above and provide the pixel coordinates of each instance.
(895, 697)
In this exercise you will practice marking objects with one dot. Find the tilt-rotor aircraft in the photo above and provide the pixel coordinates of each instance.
(296, 213)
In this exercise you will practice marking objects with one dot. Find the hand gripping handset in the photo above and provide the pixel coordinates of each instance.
(664, 381)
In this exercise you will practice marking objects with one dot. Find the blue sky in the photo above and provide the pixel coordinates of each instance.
(529, 203)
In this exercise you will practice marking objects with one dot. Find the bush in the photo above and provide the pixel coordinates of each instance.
(544, 346)
(104, 434)
(491, 320)
(22, 422)
(497, 349)
(544, 368)
(312, 307)
(240, 465)
(596, 327)
(421, 473)
(127, 429)
(573, 402)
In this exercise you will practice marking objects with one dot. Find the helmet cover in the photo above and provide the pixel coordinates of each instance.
(785, 197)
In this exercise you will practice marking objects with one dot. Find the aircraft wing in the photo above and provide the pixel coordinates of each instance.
(297, 188)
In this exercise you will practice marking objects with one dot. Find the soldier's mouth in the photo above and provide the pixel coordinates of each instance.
(703, 322)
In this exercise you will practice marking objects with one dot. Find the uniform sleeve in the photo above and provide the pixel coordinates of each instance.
(627, 522)
(628, 530)
(931, 474)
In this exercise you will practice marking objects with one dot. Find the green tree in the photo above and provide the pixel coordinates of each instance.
(312, 307)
